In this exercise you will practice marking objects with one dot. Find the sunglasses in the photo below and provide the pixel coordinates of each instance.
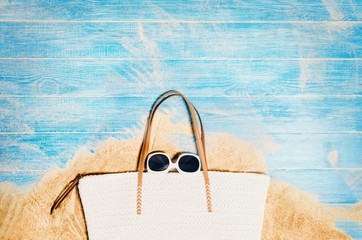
(159, 162)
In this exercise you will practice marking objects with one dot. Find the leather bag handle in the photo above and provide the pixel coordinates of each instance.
(200, 143)
(157, 104)
(144, 152)
(163, 98)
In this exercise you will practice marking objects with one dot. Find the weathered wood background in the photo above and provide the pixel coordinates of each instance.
(282, 74)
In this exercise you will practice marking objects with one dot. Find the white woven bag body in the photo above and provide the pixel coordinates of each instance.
(173, 206)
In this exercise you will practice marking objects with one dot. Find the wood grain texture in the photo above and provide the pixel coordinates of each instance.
(230, 114)
(40, 151)
(284, 75)
(316, 150)
(24, 179)
(319, 182)
(206, 78)
(351, 228)
(180, 41)
(196, 10)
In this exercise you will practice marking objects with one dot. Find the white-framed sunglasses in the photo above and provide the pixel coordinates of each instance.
(160, 162)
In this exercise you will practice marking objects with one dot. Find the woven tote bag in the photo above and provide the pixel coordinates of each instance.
(144, 205)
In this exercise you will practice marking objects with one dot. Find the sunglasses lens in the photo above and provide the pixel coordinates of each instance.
(189, 163)
(158, 162)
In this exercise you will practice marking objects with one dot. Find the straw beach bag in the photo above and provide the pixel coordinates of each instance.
(201, 204)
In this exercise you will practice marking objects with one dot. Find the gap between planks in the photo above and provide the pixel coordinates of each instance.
(180, 59)
(191, 96)
(269, 169)
(110, 133)
(177, 21)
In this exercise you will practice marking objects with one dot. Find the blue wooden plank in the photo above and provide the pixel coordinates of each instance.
(207, 78)
(353, 229)
(42, 151)
(181, 41)
(328, 186)
(231, 114)
(313, 150)
(23, 178)
(203, 48)
(280, 10)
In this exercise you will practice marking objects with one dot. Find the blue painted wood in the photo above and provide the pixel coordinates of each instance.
(181, 41)
(25, 179)
(353, 229)
(328, 186)
(243, 63)
(43, 151)
(185, 10)
(230, 114)
(29, 77)
(314, 150)
(304, 151)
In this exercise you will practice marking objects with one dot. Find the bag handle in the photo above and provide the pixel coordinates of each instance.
(144, 152)
(163, 98)
(200, 143)
(157, 104)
